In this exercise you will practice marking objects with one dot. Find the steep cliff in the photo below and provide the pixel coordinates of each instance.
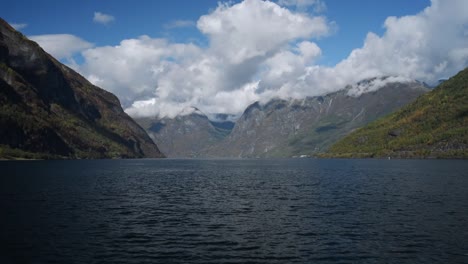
(47, 110)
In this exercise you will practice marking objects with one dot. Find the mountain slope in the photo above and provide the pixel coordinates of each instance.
(434, 126)
(47, 110)
(185, 135)
(284, 128)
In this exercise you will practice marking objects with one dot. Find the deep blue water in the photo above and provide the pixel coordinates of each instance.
(234, 211)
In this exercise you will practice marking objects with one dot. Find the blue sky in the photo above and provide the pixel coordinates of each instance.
(161, 57)
(147, 17)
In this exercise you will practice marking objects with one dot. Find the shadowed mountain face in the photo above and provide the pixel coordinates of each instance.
(185, 135)
(433, 126)
(281, 128)
(47, 110)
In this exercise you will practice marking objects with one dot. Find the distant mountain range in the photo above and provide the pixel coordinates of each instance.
(434, 126)
(282, 128)
(186, 135)
(47, 110)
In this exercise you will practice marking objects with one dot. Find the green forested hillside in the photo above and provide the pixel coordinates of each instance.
(434, 126)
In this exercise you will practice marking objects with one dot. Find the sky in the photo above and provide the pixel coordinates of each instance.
(161, 57)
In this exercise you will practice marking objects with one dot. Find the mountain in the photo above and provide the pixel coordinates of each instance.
(287, 128)
(47, 110)
(187, 134)
(281, 128)
(434, 126)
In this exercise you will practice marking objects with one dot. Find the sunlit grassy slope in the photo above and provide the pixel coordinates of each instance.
(434, 126)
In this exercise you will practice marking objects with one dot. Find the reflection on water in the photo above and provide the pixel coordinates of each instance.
(234, 211)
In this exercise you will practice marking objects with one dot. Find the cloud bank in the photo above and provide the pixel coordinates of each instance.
(259, 50)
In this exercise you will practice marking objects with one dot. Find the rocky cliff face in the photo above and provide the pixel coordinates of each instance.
(47, 110)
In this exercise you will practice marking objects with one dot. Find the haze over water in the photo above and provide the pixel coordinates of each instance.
(234, 211)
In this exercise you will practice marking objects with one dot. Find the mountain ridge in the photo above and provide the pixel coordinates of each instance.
(286, 128)
(434, 126)
(184, 136)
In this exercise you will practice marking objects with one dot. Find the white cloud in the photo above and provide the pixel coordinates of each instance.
(133, 69)
(426, 46)
(255, 28)
(19, 26)
(259, 50)
(61, 46)
(281, 71)
(375, 84)
(103, 18)
(179, 24)
(309, 49)
(153, 76)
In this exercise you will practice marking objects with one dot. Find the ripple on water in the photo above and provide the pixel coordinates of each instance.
(234, 211)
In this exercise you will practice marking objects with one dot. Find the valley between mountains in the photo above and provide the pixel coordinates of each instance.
(279, 128)
(49, 111)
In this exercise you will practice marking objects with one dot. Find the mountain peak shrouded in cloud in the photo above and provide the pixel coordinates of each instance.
(191, 111)
(374, 84)
(259, 50)
(102, 18)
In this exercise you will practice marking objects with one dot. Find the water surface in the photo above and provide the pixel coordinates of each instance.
(234, 211)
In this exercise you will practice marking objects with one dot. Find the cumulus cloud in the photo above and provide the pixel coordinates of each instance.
(155, 77)
(19, 26)
(259, 50)
(102, 18)
(427, 46)
(256, 29)
(61, 46)
(309, 49)
(134, 68)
